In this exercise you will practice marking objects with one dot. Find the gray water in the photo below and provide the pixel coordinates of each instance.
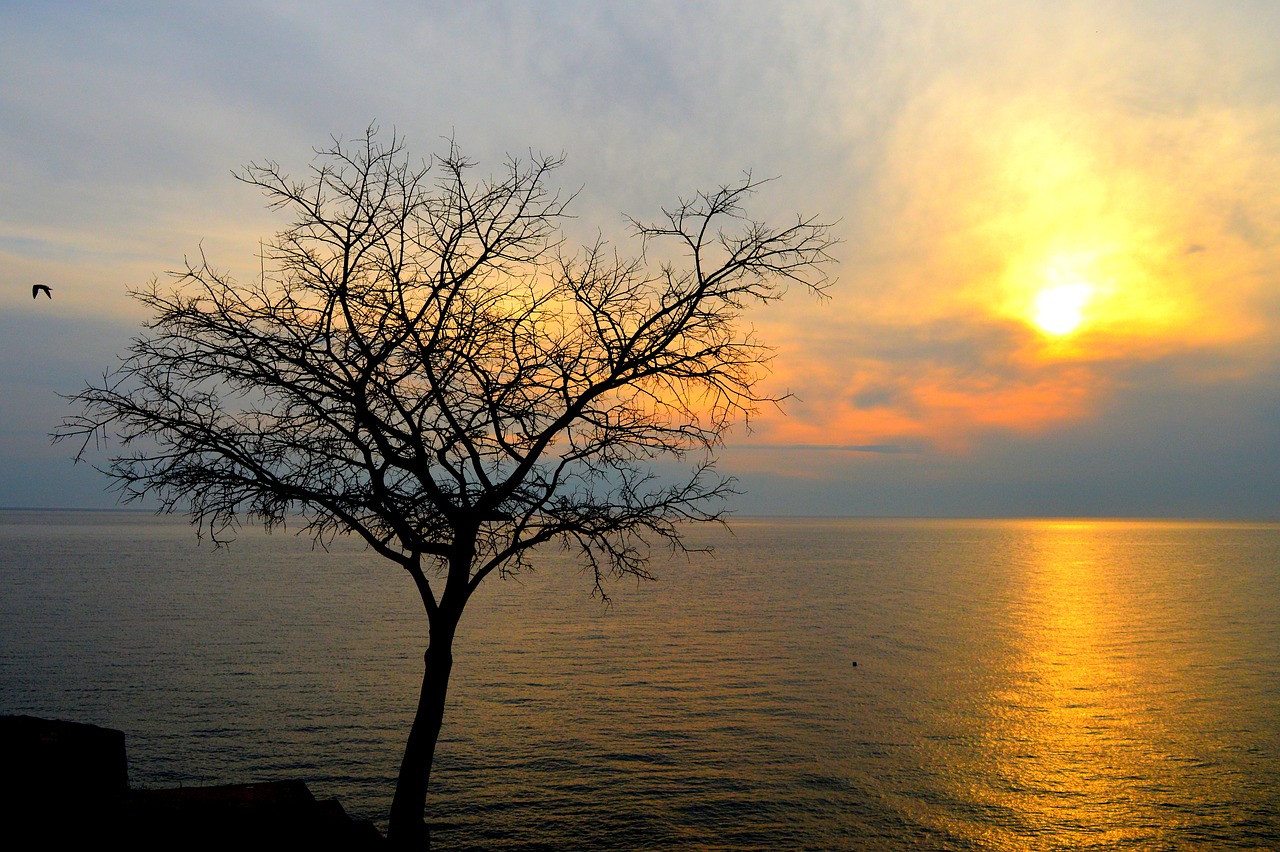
(1019, 684)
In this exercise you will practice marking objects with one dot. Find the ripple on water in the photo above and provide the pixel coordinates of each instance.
(1020, 685)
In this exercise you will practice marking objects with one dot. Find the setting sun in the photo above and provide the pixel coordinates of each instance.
(1064, 290)
(1059, 309)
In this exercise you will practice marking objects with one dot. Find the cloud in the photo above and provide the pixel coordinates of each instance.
(888, 449)
(971, 155)
(1031, 147)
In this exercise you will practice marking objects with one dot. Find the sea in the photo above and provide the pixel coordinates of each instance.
(811, 684)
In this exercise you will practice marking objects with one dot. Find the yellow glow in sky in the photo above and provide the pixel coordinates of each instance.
(1038, 252)
(1083, 245)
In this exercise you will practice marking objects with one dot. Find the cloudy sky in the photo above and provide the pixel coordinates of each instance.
(1059, 275)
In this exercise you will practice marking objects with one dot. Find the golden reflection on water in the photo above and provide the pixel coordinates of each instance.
(1069, 733)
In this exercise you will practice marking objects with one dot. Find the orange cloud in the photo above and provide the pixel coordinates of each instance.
(915, 393)
(1032, 248)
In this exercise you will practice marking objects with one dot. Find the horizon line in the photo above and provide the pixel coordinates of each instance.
(1262, 519)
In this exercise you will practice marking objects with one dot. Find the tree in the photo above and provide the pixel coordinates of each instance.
(425, 366)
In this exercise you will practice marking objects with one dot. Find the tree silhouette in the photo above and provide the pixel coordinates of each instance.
(425, 366)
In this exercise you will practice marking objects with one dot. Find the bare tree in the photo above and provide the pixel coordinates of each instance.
(424, 365)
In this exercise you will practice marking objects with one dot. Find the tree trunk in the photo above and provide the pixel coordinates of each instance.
(408, 829)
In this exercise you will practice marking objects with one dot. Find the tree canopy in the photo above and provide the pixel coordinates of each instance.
(425, 364)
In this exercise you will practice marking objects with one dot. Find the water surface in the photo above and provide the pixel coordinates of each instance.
(1019, 684)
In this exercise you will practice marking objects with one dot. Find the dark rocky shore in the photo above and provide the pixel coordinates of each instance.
(68, 783)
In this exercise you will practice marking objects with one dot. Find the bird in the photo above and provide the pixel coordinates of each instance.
(36, 288)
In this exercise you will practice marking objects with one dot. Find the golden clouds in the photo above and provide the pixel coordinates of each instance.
(1041, 236)
(1102, 211)
(926, 386)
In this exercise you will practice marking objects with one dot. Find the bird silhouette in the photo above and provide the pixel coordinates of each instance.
(36, 288)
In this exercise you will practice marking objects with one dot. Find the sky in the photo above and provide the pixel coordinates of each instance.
(1058, 281)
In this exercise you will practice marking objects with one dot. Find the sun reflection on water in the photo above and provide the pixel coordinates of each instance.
(1078, 734)
(1075, 742)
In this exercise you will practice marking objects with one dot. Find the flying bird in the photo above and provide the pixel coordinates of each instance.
(36, 288)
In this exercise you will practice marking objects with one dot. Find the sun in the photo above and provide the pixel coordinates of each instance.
(1059, 309)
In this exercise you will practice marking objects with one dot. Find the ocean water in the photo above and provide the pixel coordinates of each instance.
(1020, 685)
